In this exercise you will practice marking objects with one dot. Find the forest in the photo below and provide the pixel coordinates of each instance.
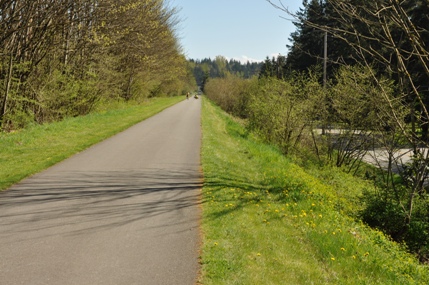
(221, 67)
(367, 93)
(59, 58)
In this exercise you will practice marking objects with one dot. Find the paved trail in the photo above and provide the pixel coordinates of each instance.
(125, 211)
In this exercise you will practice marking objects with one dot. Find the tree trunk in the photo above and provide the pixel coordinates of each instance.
(6, 92)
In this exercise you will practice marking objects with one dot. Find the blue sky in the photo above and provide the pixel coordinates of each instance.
(239, 29)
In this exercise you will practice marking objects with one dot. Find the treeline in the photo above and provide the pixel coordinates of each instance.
(388, 36)
(221, 67)
(376, 98)
(59, 58)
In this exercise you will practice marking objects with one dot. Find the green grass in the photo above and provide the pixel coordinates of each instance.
(31, 150)
(268, 221)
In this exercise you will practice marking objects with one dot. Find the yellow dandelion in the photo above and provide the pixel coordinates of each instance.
(333, 258)
(343, 249)
(215, 243)
(258, 254)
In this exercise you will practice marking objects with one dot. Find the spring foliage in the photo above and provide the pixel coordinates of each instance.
(61, 58)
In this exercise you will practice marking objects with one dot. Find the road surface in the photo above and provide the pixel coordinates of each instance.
(125, 211)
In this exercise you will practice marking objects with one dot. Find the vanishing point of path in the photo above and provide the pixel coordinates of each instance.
(125, 211)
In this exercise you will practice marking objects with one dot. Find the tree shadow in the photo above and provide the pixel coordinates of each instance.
(249, 192)
(86, 202)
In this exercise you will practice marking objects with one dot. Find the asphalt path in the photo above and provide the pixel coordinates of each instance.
(125, 211)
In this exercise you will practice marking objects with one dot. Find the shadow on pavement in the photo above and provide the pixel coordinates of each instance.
(82, 202)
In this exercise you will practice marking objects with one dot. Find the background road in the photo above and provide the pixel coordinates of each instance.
(125, 211)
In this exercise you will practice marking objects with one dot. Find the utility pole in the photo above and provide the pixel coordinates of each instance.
(325, 58)
(325, 65)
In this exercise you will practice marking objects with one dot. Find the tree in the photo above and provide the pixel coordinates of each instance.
(390, 38)
(59, 57)
(220, 67)
(275, 67)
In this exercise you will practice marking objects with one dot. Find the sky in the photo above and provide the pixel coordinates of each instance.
(245, 30)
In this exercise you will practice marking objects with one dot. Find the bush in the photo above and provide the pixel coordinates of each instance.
(231, 93)
(285, 113)
(390, 216)
(64, 95)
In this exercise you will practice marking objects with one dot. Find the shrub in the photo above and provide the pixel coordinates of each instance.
(285, 112)
(231, 93)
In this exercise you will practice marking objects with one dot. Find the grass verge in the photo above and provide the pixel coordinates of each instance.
(31, 150)
(268, 221)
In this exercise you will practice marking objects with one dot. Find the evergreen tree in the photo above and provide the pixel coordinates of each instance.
(307, 42)
(307, 49)
(275, 67)
(221, 67)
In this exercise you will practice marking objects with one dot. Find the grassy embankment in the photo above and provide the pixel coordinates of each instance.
(268, 221)
(31, 150)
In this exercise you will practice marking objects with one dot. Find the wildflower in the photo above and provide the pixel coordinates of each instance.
(333, 258)
(343, 249)
(258, 254)
(320, 215)
(354, 256)
(215, 243)
(366, 253)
